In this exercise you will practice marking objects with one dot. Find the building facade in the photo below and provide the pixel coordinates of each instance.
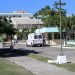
(22, 19)
(51, 35)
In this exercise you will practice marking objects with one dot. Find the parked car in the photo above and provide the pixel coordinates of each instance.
(34, 39)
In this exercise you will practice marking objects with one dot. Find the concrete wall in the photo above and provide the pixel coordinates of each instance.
(54, 42)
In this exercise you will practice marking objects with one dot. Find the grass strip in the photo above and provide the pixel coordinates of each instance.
(9, 68)
(39, 57)
(68, 66)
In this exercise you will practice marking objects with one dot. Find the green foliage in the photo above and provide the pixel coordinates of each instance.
(68, 66)
(32, 30)
(51, 21)
(44, 11)
(1, 39)
(6, 27)
(51, 17)
(38, 57)
(24, 33)
(9, 29)
(27, 31)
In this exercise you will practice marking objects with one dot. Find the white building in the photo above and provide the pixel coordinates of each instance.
(24, 22)
(22, 19)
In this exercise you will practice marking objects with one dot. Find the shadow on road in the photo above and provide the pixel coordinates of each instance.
(7, 52)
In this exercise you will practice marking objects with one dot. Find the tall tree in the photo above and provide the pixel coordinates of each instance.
(50, 16)
(6, 27)
(44, 11)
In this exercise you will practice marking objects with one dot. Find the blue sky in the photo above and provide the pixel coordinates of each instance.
(33, 5)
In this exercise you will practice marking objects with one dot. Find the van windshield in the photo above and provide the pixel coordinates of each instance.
(40, 36)
(37, 37)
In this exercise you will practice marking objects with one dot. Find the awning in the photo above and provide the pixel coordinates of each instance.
(48, 29)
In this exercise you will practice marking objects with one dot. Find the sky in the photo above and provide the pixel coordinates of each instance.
(33, 6)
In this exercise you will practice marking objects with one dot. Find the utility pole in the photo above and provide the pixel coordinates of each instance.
(58, 6)
(61, 59)
(60, 27)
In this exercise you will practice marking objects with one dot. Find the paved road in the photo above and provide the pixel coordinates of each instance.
(50, 52)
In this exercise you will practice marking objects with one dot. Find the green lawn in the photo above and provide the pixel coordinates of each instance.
(38, 57)
(9, 68)
(68, 66)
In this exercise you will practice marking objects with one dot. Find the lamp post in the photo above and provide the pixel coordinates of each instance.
(60, 10)
(60, 27)
(60, 58)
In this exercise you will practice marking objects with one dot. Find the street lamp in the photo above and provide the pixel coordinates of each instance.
(60, 58)
(58, 6)
(60, 27)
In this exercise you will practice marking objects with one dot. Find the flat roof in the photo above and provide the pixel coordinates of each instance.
(11, 14)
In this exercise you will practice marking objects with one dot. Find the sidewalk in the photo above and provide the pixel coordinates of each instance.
(68, 47)
(38, 67)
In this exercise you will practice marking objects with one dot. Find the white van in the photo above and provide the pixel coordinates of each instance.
(34, 39)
